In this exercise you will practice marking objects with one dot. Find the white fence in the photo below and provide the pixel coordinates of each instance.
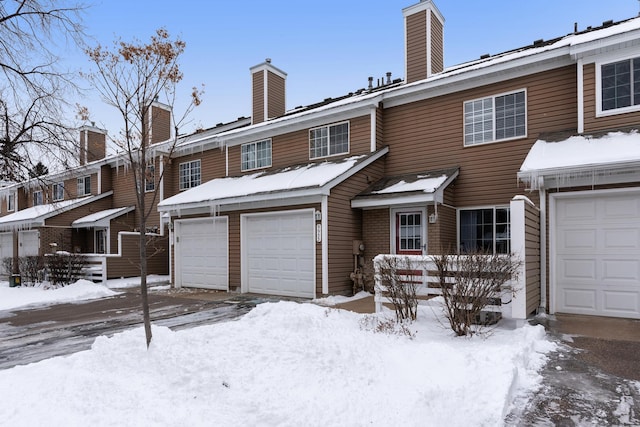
(96, 268)
(423, 272)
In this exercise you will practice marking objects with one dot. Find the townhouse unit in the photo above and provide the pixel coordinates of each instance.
(532, 152)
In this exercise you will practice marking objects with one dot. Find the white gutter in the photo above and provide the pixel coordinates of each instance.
(580, 96)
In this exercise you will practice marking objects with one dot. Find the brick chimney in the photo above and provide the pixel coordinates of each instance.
(268, 92)
(159, 122)
(424, 41)
(93, 144)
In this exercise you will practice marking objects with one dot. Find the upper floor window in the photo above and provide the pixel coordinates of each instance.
(150, 178)
(256, 155)
(189, 174)
(58, 191)
(485, 230)
(84, 186)
(329, 140)
(495, 118)
(37, 198)
(620, 84)
(11, 202)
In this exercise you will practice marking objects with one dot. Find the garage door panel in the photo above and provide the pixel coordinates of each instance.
(6, 245)
(597, 257)
(279, 253)
(202, 248)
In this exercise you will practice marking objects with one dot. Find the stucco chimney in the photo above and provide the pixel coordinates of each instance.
(93, 144)
(424, 41)
(268, 92)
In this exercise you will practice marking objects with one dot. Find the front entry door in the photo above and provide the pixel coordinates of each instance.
(410, 233)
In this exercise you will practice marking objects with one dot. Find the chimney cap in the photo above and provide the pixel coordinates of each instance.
(268, 60)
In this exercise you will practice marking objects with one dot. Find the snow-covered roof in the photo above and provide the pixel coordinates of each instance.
(36, 215)
(610, 158)
(101, 218)
(298, 181)
(423, 187)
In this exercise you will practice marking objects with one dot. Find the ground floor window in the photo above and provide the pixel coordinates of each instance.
(101, 241)
(485, 230)
(409, 231)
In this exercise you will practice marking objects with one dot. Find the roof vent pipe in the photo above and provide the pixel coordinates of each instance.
(388, 77)
(370, 82)
(575, 27)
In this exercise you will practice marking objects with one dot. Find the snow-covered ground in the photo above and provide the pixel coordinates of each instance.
(283, 364)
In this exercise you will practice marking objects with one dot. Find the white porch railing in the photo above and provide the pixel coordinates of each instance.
(96, 268)
(423, 272)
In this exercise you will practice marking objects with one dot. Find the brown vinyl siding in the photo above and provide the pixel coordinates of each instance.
(65, 219)
(293, 148)
(257, 80)
(437, 45)
(345, 226)
(276, 95)
(128, 265)
(160, 124)
(379, 128)
(124, 222)
(416, 48)
(107, 179)
(429, 135)
(593, 123)
(532, 257)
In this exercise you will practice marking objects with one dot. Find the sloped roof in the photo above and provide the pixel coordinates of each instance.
(404, 189)
(36, 215)
(303, 180)
(608, 158)
(101, 218)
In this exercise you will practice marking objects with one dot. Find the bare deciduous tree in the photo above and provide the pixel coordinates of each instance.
(131, 77)
(33, 88)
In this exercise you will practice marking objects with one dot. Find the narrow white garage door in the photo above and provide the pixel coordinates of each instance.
(598, 255)
(202, 254)
(6, 245)
(279, 253)
(29, 243)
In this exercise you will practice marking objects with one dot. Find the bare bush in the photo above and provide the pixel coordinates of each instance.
(472, 282)
(399, 279)
(31, 270)
(7, 266)
(65, 268)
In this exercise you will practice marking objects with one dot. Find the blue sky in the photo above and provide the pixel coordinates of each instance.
(328, 48)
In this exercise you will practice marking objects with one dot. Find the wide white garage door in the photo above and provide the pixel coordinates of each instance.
(279, 253)
(597, 252)
(6, 245)
(202, 254)
(29, 243)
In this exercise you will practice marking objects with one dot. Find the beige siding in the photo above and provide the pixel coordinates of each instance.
(416, 49)
(429, 135)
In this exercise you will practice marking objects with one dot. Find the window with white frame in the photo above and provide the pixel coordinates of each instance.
(189, 174)
(58, 191)
(11, 202)
(150, 178)
(620, 85)
(329, 140)
(256, 155)
(485, 230)
(495, 118)
(37, 198)
(84, 185)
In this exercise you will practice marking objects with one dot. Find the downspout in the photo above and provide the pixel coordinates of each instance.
(373, 129)
(161, 194)
(580, 90)
(226, 160)
(543, 246)
(325, 245)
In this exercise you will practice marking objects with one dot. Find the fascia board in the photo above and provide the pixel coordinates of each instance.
(355, 169)
(616, 41)
(392, 201)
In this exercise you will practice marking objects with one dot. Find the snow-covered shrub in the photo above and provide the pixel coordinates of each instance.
(64, 268)
(399, 278)
(31, 268)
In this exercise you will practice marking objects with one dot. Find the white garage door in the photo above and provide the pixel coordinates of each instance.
(28, 243)
(6, 245)
(279, 253)
(598, 255)
(201, 250)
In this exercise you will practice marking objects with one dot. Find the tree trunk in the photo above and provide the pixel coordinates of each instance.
(143, 275)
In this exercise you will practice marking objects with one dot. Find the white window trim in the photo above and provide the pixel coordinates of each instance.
(392, 223)
(181, 188)
(474, 208)
(11, 196)
(106, 240)
(599, 111)
(494, 140)
(41, 198)
(329, 137)
(54, 193)
(255, 145)
(84, 185)
(147, 190)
